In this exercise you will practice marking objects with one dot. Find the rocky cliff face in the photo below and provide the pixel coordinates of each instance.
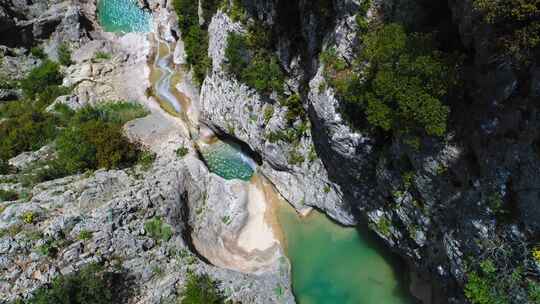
(449, 211)
(472, 195)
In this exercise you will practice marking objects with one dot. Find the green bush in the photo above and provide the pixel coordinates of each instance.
(182, 151)
(8, 195)
(38, 52)
(27, 132)
(158, 230)
(251, 63)
(94, 139)
(64, 55)
(102, 56)
(4, 167)
(95, 144)
(146, 159)
(295, 110)
(85, 235)
(404, 86)
(90, 285)
(41, 77)
(484, 287)
(515, 24)
(201, 289)
(195, 36)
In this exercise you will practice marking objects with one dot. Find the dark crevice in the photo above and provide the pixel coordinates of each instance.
(187, 231)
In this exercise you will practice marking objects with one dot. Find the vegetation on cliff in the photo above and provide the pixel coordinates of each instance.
(195, 35)
(90, 285)
(516, 24)
(398, 83)
(201, 289)
(250, 61)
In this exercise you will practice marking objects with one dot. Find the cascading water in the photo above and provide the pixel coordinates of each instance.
(163, 86)
(330, 263)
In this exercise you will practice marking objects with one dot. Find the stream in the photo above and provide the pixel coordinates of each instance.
(331, 264)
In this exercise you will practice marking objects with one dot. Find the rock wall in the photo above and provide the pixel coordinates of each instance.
(444, 214)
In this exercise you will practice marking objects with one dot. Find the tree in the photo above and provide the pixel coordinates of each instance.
(47, 74)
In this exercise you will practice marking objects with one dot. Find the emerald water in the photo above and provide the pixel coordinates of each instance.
(228, 161)
(123, 16)
(332, 264)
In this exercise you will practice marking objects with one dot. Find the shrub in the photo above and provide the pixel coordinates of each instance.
(94, 138)
(64, 55)
(85, 235)
(27, 132)
(91, 285)
(102, 56)
(4, 167)
(194, 35)
(38, 52)
(536, 254)
(295, 110)
(158, 230)
(403, 87)
(268, 113)
(94, 144)
(485, 287)
(146, 159)
(8, 195)
(182, 151)
(201, 289)
(516, 26)
(249, 61)
(29, 217)
(41, 77)
(534, 291)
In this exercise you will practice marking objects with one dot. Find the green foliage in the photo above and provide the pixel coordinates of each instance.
(94, 139)
(90, 285)
(403, 87)
(268, 113)
(85, 235)
(8, 195)
(237, 12)
(487, 287)
(250, 62)
(516, 25)
(182, 151)
(102, 56)
(201, 289)
(4, 167)
(27, 132)
(158, 230)
(40, 78)
(534, 291)
(295, 158)
(29, 217)
(94, 144)
(64, 55)
(38, 52)
(11, 231)
(146, 159)
(194, 35)
(295, 110)
(50, 247)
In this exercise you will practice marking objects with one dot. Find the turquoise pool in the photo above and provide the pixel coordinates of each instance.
(228, 161)
(123, 16)
(332, 264)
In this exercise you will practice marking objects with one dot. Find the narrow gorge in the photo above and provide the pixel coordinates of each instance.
(238, 151)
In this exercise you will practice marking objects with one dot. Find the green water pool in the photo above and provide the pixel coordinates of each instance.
(123, 16)
(335, 265)
(228, 161)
